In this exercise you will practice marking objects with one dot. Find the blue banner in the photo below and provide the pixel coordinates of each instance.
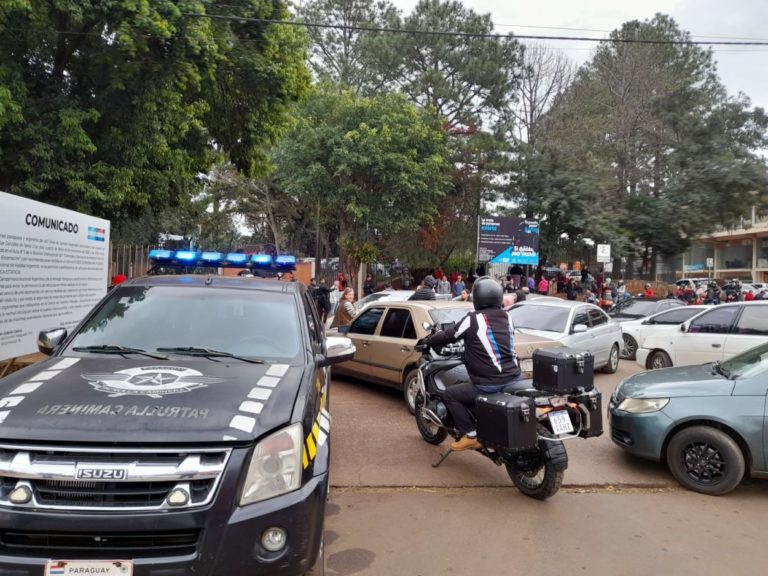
(507, 240)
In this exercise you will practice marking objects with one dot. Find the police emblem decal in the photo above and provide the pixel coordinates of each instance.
(151, 381)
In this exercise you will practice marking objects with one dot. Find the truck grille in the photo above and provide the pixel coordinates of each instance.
(97, 545)
(67, 479)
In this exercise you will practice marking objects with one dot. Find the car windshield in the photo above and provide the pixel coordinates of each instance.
(247, 323)
(753, 362)
(368, 299)
(448, 315)
(537, 317)
(635, 308)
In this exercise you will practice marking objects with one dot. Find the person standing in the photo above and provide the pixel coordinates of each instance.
(543, 286)
(443, 286)
(426, 290)
(458, 286)
(345, 312)
(323, 299)
(369, 285)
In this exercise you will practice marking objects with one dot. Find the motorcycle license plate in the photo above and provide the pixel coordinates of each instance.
(102, 567)
(561, 422)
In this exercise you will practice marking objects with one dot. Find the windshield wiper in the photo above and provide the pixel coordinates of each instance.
(114, 349)
(207, 352)
(717, 368)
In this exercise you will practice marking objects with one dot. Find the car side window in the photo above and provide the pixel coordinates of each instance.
(754, 320)
(366, 323)
(581, 317)
(596, 317)
(676, 316)
(717, 321)
(313, 320)
(395, 322)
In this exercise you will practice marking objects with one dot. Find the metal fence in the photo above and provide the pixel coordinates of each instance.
(130, 260)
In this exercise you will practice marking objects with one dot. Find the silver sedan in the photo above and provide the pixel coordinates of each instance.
(575, 324)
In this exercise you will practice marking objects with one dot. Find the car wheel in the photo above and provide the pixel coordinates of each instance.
(659, 359)
(706, 460)
(613, 360)
(629, 351)
(410, 388)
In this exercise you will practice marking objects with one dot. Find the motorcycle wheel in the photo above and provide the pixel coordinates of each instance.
(431, 433)
(541, 481)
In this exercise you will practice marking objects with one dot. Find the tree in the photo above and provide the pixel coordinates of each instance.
(114, 107)
(374, 166)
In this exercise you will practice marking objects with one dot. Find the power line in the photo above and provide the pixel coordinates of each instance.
(454, 34)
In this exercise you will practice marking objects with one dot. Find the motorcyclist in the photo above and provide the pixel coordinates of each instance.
(489, 355)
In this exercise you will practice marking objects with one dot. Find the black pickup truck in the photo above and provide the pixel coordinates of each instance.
(181, 429)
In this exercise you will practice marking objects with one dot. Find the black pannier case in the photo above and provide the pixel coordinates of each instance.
(563, 370)
(506, 421)
(591, 410)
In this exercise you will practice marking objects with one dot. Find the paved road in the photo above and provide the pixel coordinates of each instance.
(391, 513)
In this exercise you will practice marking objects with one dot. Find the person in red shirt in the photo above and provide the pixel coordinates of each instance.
(749, 296)
(649, 293)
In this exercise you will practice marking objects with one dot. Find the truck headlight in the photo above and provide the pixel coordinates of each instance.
(275, 466)
(642, 405)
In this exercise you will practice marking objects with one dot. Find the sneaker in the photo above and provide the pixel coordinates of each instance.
(466, 443)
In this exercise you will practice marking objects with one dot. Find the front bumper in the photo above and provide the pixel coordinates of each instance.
(641, 357)
(228, 541)
(640, 434)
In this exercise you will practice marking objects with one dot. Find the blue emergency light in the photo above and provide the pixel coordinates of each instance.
(237, 259)
(211, 257)
(161, 255)
(262, 260)
(286, 261)
(187, 256)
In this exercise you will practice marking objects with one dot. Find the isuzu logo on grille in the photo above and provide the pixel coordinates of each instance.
(102, 473)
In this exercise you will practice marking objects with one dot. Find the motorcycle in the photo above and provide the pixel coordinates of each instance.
(527, 440)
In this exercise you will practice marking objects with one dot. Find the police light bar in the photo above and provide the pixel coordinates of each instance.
(286, 262)
(237, 259)
(212, 257)
(161, 255)
(261, 259)
(187, 256)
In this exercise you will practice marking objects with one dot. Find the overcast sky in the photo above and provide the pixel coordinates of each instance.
(742, 69)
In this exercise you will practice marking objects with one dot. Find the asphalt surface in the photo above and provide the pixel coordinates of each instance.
(391, 513)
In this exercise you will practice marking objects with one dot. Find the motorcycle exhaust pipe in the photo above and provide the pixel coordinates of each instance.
(432, 417)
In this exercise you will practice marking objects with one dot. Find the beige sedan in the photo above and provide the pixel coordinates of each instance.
(385, 334)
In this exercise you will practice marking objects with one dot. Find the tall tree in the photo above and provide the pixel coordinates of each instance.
(375, 166)
(114, 107)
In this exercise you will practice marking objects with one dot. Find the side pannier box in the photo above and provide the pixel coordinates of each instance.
(591, 411)
(563, 370)
(506, 421)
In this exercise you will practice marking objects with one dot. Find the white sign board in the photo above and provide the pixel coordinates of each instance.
(53, 268)
(710, 262)
(603, 252)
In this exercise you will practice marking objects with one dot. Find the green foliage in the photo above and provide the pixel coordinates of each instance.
(374, 165)
(114, 107)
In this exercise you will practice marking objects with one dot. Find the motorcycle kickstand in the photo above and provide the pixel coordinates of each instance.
(443, 457)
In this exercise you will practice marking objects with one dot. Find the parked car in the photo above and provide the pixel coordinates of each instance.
(384, 296)
(634, 332)
(692, 282)
(708, 422)
(385, 333)
(718, 333)
(574, 324)
(641, 307)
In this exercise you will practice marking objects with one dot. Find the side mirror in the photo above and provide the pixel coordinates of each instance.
(343, 329)
(683, 328)
(579, 329)
(338, 349)
(48, 340)
(427, 326)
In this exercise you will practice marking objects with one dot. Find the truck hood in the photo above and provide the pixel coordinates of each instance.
(110, 399)
(676, 382)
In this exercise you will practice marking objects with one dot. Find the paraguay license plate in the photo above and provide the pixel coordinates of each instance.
(561, 422)
(89, 567)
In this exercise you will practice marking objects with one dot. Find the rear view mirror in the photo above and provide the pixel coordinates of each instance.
(48, 340)
(338, 349)
(579, 329)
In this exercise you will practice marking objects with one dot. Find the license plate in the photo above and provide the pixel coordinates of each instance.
(96, 567)
(561, 422)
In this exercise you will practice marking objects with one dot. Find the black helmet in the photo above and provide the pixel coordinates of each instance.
(487, 293)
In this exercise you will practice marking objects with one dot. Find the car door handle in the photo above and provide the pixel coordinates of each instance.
(365, 344)
(716, 345)
(405, 348)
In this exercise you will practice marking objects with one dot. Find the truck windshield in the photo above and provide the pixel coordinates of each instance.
(249, 323)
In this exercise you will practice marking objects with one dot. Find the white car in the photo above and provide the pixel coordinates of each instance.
(575, 324)
(634, 332)
(716, 334)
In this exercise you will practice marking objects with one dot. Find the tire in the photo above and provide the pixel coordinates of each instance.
(658, 359)
(541, 482)
(613, 360)
(705, 459)
(410, 387)
(431, 433)
(629, 350)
